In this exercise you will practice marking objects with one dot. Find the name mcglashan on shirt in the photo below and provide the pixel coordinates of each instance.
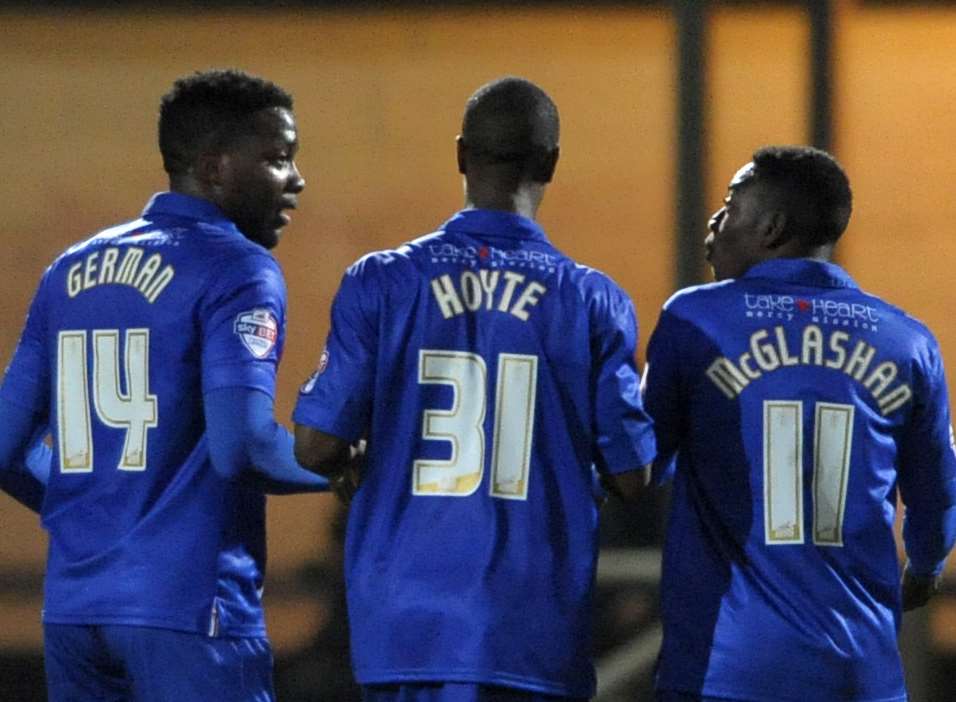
(505, 291)
(106, 267)
(769, 351)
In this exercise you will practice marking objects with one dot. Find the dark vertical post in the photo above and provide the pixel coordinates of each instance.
(691, 19)
(821, 73)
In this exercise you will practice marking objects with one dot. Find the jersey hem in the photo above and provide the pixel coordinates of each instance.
(239, 632)
(464, 676)
(325, 424)
(732, 696)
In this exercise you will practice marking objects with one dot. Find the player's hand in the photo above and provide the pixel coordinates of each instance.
(346, 483)
(918, 589)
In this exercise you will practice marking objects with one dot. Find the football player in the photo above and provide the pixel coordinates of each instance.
(489, 372)
(799, 407)
(151, 350)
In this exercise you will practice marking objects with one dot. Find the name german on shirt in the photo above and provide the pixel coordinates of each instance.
(120, 267)
(769, 351)
(505, 291)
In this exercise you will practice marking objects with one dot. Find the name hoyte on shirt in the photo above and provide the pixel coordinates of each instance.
(502, 290)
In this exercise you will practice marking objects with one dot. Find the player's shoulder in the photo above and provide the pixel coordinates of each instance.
(600, 295)
(592, 282)
(101, 238)
(696, 297)
(391, 263)
(906, 325)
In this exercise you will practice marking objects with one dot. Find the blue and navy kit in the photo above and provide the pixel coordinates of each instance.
(798, 407)
(126, 333)
(490, 373)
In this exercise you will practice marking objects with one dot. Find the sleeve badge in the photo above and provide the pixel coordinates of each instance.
(258, 330)
(323, 364)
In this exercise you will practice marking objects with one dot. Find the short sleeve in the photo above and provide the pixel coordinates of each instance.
(624, 431)
(243, 326)
(27, 379)
(337, 399)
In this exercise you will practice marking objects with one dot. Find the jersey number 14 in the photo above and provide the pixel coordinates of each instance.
(133, 411)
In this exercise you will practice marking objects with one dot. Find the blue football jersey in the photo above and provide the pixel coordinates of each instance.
(126, 332)
(798, 406)
(490, 373)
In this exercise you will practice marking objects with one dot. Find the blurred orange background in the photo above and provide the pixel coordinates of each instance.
(379, 97)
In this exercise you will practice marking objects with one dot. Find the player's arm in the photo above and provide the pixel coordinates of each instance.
(24, 458)
(243, 328)
(625, 437)
(246, 442)
(335, 404)
(927, 483)
(628, 486)
(331, 457)
(661, 390)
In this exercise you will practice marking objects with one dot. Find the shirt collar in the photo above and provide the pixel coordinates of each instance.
(803, 271)
(495, 223)
(181, 205)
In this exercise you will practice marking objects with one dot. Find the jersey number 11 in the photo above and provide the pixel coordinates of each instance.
(783, 471)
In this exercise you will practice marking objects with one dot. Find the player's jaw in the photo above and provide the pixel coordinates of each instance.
(264, 224)
(282, 217)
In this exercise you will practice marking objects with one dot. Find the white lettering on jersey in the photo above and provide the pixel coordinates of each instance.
(107, 267)
(484, 291)
(768, 352)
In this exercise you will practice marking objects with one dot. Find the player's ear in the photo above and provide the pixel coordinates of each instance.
(209, 170)
(542, 170)
(774, 229)
(462, 154)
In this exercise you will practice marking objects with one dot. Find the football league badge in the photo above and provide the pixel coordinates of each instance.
(258, 330)
(323, 363)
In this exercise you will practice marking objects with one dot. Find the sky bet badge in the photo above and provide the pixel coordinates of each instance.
(258, 330)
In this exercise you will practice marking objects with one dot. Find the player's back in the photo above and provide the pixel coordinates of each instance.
(142, 529)
(472, 543)
(780, 545)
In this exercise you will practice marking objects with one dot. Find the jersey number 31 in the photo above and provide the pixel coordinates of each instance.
(463, 425)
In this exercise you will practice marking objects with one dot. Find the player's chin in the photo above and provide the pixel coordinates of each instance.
(722, 273)
(268, 237)
(719, 266)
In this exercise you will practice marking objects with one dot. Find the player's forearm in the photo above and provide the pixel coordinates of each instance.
(21, 429)
(245, 442)
(26, 478)
(24, 487)
(274, 468)
(320, 452)
(929, 535)
(628, 485)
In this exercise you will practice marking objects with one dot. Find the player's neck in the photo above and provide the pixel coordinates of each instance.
(822, 252)
(187, 185)
(524, 201)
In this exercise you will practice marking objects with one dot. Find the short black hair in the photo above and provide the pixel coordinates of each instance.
(510, 120)
(812, 187)
(209, 110)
